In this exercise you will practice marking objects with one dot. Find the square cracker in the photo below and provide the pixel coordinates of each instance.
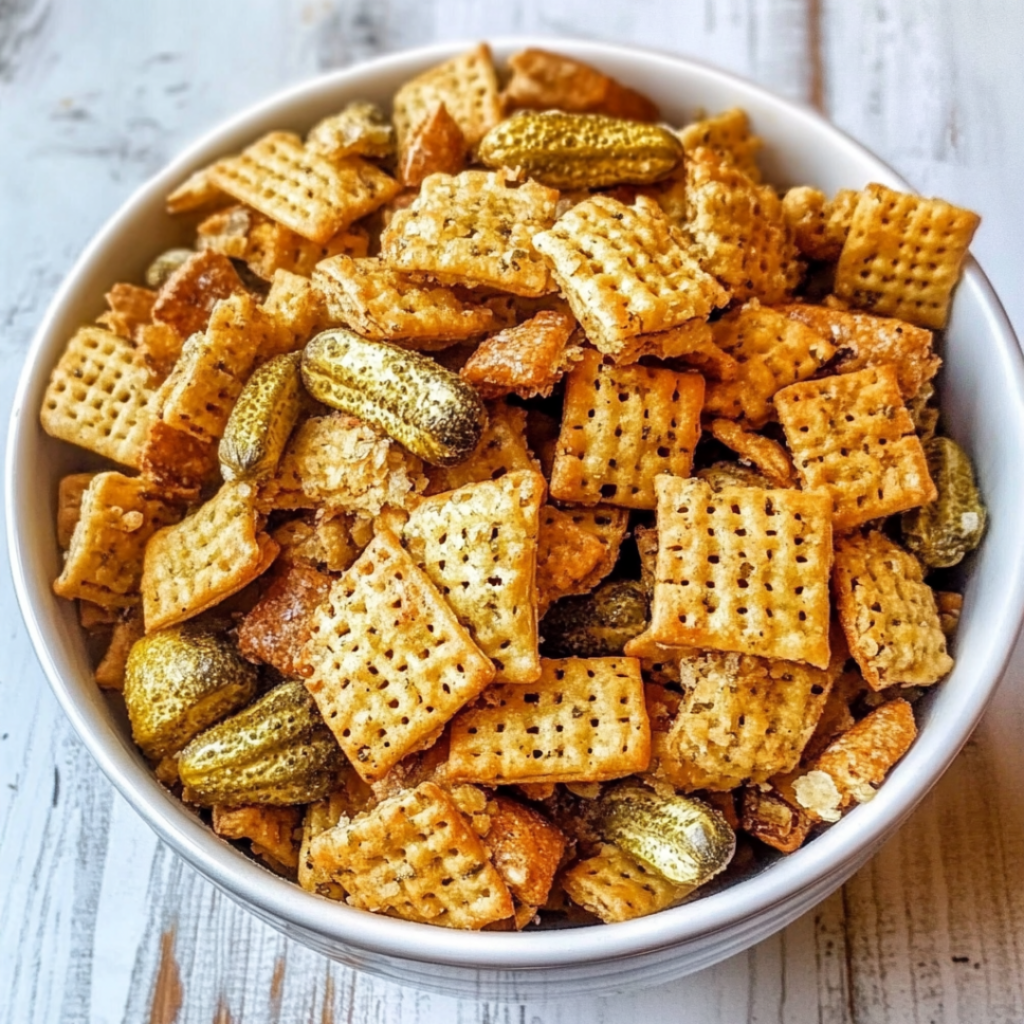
(819, 225)
(851, 435)
(525, 848)
(888, 613)
(69, 505)
(387, 662)
(414, 856)
(584, 720)
(129, 307)
(744, 570)
(178, 462)
(903, 255)
(692, 344)
(302, 190)
(188, 297)
(621, 427)
(475, 228)
(626, 270)
(567, 555)
(99, 397)
(478, 544)
(728, 135)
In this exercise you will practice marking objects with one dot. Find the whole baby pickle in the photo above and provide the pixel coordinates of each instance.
(943, 531)
(595, 625)
(261, 420)
(164, 265)
(681, 838)
(277, 751)
(428, 409)
(572, 151)
(181, 680)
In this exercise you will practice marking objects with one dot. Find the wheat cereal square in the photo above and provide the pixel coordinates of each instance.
(567, 556)
(129, 307)
(819, 225)
(359, 129)
(692, 344)
(69, 505)
(768, 457)
(525, 847)
(188, 297)
(196, 192)
(728, 135)
(178, 462)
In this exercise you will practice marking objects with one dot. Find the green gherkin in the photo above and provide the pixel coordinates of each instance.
(595, 625)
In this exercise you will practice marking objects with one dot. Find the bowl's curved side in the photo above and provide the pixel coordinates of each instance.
(984, 401)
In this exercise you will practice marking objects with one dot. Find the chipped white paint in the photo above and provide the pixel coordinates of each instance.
(93, 98)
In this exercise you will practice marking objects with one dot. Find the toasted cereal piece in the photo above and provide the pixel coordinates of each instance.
(208, 556)
(360, 129)
(186, 300)
(852, 437)
(478, 544)
(903, 255)
(692, 343)
(385, 305)
(732, 474)
(819, 225)
(271, 830)
(104, 561)
(99, 397)
(888, 613)
(617, 887)
(129, 308)
(766, 816)
(158, 347)
(296, 309)
(176, 461)
(415, 856)
(728, 135)
(341, 464)
(767, 456)
(567, 555)
(773, 351)
(836, 716)
(621, 427)
(226, 231)
(302, 190)
(528, 359)
(110, 671)
(949, 605)
(320, 542)
(542, 80)
(626, 270)
(475, 229)
(352, 797)
(429, 764)
(436, 146)
(95, 618)
(525, 848)
(584, 720)
(196, 192)
(863, 340)
(69, 505)
(743, 570)
(609, 526)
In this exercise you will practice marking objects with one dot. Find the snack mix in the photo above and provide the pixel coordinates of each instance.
(515, 509)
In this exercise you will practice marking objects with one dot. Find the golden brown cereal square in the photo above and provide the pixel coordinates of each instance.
(436, 146)
(129, 308)
(478, 544)
(270, 829)
(196, 192)
(767, 456)
(295, 309)
(352, 797)
(110, 671)
(584, 720)
(852, 436)
(888, 613)
(475, 228)
(319, 541)
(743, 570)
(525, 848)
(567, 555)
(691, 343)
(177, 461)
(188, 297)
(360, 129)
(609, 526)
(819, 225)
(387, 662)
(158, 348)
(903, 255)
(626, 270)
(728, 135)
(226, 231)
(415, 856)
(621, 427)
(69, 505)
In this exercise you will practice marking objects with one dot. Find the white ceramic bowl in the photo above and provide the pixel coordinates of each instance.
(983, 401)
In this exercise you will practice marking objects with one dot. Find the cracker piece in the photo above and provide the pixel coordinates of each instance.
(888, 613)
(296, 311)
(852, 436)
(626, 270)
(766, 816)
(616, 887)
(321, 542)
(99, 397)
(415, 857)
(474, 229)
(609, 526)
(767, 456)
(743, 570)
(187, 298)
(313, 196)
(903, 255)
(196, 192)
(567, 555)
(352, 797)
(478, 544)
(863, 340)
(271, 830)
(621, 427)
(436, 146)
(525, 848)
(387, 662)
(227, 231)
(773, 352)
(104, 561)
(819, 225)
(360, 129)
(529, 359)
(836, 716)
(384, 305)
(158, 347)
(95, 618)
(129, 308)
(728, 135)
(210, 555)
(110, 671)
(176, 461)
(69, 505)
(584, 720)
(692, 344)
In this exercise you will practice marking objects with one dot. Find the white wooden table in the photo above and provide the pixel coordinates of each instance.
(98, 921)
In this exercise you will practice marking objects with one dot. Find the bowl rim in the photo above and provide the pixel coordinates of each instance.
(277, 900)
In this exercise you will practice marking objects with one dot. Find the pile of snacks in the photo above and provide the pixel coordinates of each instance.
(521, 508)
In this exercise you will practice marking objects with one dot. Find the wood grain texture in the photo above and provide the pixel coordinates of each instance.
(96, 917)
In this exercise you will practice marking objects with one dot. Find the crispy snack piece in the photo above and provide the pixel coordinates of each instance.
(478, 544)
(621, 427)
(196, 192)
(271, 830)
(205, 558)
(743, 570)
(385, 305)
(436, 146)
(819, 225)
(320, 542)
(949, 605)
(888, 613)
(609, 526)
(851, 436)
(863, 340)
(387, 662)
(104, 561)
(903, 255)
(692, 344)
(626, 270)
(176, 461)
(584, 720)
(99, 397)
(69, 505)
(415, 856)
(129, 307)
(475, 228)
(773, 351)
(188, 297)
(766, 816)
(158, 347)
(567, 555)
(110, 671)
(728, 135)
(732, 474)
(302, 190)
(768, 456)
(352, 797)
(525, 848)
(360, 129)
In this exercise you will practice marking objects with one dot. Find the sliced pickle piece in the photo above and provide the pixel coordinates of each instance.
(595, 625)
